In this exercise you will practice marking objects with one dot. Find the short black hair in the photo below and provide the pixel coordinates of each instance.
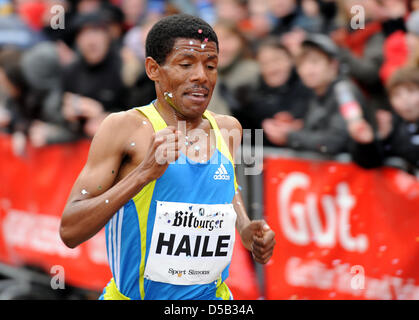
(162, 36)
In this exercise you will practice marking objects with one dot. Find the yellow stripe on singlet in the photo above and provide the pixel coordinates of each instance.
(143, 199)
(112, 292)
(142, 204)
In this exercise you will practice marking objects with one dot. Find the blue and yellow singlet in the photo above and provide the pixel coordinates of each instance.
(174, 239)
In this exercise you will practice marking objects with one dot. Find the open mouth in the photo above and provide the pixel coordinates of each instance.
(198, 96)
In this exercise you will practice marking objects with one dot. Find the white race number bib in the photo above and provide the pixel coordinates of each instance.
(191, 243)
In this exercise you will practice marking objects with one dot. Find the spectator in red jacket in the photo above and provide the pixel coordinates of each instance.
(401, 48)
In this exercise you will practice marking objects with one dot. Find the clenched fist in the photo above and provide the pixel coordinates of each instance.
(164, 148)
(259, 238)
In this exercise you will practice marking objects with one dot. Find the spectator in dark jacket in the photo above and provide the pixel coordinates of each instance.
(324, 128)
(93, 84)
(398, 135)
(279, 90)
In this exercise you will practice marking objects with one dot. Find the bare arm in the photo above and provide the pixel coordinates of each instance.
(95, 197)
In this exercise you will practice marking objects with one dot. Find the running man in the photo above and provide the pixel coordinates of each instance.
(167, 196)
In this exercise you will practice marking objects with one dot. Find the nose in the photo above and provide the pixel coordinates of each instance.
(199, 74)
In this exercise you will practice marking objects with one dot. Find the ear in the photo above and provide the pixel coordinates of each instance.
(152, 69)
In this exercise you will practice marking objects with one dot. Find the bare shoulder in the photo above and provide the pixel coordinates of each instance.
(121, 125)
(124, 120)
(226, 122)
(117, 129)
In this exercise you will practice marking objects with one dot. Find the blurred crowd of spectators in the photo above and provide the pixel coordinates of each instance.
(328, 76)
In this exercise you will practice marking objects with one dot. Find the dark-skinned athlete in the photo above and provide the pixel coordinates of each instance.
(161, 179)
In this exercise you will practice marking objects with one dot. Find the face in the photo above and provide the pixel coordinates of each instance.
(316, 70)
(275, 65)
(189, 74)
(133, 10)
(93, 43)
(415, 5)
(405, 101)
(230, 46)
(230, 10)
(86, 6)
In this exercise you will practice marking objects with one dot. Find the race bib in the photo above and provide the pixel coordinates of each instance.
(191, 243)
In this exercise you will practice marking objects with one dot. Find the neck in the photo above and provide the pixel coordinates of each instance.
(173, 117)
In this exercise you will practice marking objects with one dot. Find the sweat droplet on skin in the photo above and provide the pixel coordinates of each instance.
(84, 191)
(144, 122)
(132, 144)
(106, 201)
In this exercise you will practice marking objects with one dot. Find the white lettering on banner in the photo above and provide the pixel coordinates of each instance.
(40, 233)
(35, 232)
(339, 279)
(297, 219)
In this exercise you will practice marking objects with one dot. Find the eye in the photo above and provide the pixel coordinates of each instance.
(185, 65)
(210, 67)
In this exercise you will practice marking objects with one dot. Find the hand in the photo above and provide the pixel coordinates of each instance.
(38, 133)
(132, 67)
(277, 131)
(164, 148)
(5, 117)
(284, 116)
(259, 238)
(310, 8)
(360, 131)
(76, 106)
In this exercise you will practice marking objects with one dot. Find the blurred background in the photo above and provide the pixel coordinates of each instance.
(334, 84)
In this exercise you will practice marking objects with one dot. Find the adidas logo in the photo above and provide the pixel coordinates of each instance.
(221, 173)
